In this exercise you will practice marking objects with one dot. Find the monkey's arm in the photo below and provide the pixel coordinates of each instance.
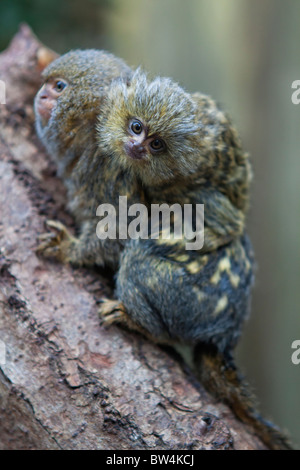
(85, 250)
(223, 222)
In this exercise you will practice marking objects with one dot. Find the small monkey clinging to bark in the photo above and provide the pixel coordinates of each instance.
(116, 133)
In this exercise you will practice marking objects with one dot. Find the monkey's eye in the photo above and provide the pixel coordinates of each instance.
(136, 126)
(157, 145)
(59, 86)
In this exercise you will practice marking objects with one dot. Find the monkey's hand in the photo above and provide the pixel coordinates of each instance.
(86, 250)
(58, 243)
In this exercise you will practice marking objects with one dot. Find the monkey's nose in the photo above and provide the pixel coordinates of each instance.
(134, 150)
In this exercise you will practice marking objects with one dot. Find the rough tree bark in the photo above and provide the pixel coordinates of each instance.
(68, 383)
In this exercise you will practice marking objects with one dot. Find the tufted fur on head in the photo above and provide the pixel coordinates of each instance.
(201, 145)
(166, 111)
(70, 130)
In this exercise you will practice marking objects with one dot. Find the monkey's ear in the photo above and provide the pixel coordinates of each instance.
(45, 56)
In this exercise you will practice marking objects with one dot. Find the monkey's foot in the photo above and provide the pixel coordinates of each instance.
(58, 243)
(112, 311)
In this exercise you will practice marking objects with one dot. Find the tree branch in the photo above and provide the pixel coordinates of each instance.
(67, 382)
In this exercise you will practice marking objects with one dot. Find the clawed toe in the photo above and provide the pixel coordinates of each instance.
(112, 311)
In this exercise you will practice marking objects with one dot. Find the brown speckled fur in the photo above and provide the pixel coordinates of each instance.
(163, 290)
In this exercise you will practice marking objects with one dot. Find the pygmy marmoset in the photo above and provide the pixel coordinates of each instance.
(113, 132)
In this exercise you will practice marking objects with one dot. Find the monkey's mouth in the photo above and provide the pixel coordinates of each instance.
(44, 109)
(135, 150)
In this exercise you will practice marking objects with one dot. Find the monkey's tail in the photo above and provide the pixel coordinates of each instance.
(220, 376)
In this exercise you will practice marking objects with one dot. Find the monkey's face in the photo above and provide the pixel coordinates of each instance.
(67, 105)
(59, 119)
(149, 128)
(140, 144)
(46, 99)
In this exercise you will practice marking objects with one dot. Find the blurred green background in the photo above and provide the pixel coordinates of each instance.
(245, 53)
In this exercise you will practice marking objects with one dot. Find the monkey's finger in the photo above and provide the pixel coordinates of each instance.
(47, 236)
(57, 227)
(108, 306)
(48, 243)
(41, 249)
(52, 252)
(113, 311)
(110, 319)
